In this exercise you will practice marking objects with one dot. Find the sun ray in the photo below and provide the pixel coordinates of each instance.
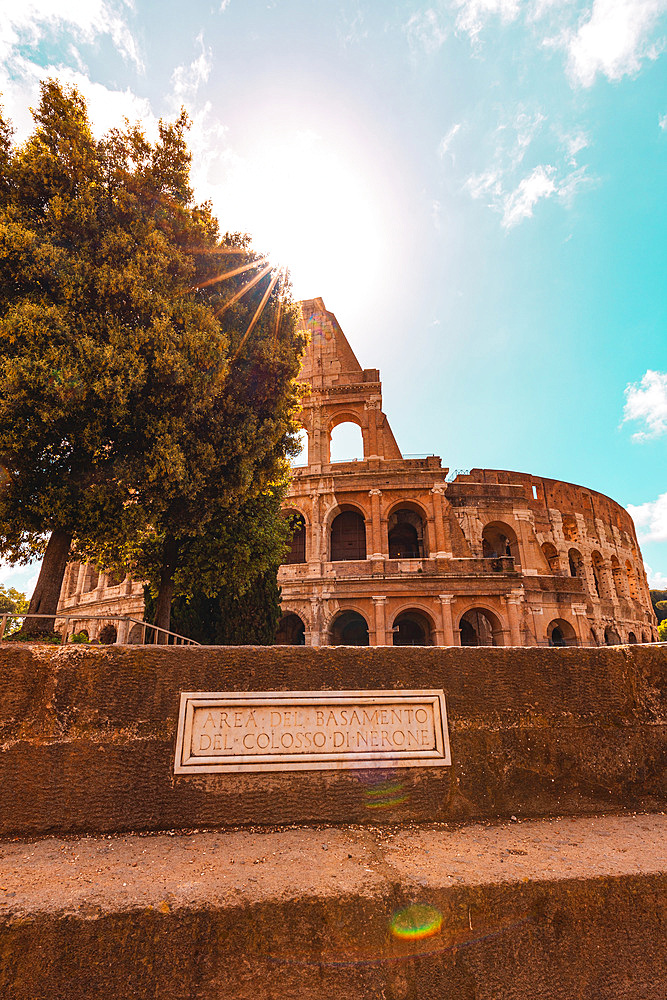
(258, 313)
(241, 292)
(228, 274)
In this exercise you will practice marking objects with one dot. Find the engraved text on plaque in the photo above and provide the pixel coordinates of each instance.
(310, 730)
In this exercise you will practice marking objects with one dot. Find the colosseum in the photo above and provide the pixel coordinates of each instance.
(395, 551)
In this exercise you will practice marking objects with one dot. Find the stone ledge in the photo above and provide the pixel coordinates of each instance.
(541, 910)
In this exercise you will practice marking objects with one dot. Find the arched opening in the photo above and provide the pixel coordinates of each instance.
(412, 628)
(291, 631)
(108, 634)
(561, 633)
(498, 541)
(406, 534)
(617, 576)
(611, 636)
(646, 637)
(300, 459)
(349, 629)
(597, 564)
(90, 579)
(72, 579)
(632, 638)
(136, 634)
(576, 563)
(348, 536)
(479, 627)
(297, 549)
(347, 443)
(551, 555)
(632, 580)
(570, 528)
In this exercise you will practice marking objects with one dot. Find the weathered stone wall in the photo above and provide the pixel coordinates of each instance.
(87, 735)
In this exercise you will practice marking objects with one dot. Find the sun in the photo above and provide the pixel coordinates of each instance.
(311, 207)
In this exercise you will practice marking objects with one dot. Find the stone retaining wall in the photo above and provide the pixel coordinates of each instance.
(87, 736)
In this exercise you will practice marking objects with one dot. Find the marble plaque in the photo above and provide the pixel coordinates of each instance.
(310, 730)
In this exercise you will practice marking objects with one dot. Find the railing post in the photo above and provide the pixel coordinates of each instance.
(3, 625)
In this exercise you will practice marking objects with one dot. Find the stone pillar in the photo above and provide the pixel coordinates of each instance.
(123, 630)
(446, 601)
(581, 623)
(314, 637)
(375, 539)
(437, 493)
(512, 601)
(380, 606)
(80, 579)
(314, 534)
(372, 412)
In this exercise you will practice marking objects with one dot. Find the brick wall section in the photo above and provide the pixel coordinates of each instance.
(87, 735)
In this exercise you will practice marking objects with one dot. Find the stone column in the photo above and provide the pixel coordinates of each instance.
(437, 493)
(80, 579)
(123, 629)
(376, 525)
(314, 533)
(581, 623)
(512, 601)
(372, 410)
(380, 606)
(313, 637)
(446, 601)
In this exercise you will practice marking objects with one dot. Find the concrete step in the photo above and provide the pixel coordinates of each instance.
(557, 909)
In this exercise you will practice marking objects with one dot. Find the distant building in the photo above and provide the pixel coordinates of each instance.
(392, 550)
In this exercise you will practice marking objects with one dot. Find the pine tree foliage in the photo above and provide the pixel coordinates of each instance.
(139, 401)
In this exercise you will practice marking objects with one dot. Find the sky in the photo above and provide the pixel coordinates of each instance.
(476, 188)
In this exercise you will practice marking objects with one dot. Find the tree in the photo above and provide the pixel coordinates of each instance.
(662, 631)
(12, 602)
(136, 405)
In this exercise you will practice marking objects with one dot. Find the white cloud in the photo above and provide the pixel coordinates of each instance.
(520, 203)
(663, 122)
(224, 5)
(614, 40)
(656, 580)
(30, 20)
(647, 401)
(425, 32)
(651, 519)
(574, 143)
(472, 14)
(446, 141)
(186, 80)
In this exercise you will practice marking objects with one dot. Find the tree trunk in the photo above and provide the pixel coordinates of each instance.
(46, 594)
(166, 591)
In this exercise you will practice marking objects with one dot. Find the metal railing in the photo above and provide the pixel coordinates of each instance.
(156, 635)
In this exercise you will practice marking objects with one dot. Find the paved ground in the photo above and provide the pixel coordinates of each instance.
(96, 875)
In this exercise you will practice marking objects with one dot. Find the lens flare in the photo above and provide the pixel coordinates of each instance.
(418, 920)
(386, 795)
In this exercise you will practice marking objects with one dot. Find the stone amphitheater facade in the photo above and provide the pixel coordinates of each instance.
(392, 550)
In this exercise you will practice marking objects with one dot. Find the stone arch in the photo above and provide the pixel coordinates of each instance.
(611, 636)
(570, 530)
(576, 564)
(560, 632)
(108, 634)
(91, 579)
(499, 540)
(291, 630)
(348, 628)
(406, 531)
(632, 638)
(347, 535)
(297, 550)
(479, 626)
(136, 634)
(413, 627)
(72, 579)
(300, 460)
(353, 441)
(550, 553)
